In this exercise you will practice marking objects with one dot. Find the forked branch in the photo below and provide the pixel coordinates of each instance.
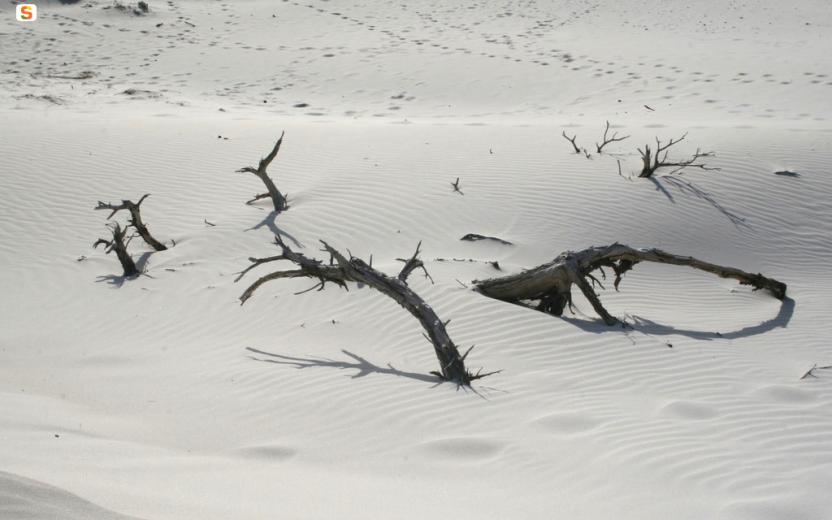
(278, 199)
(550, 285)
(607, 140)
(652, 163)
(342, 270)
(572, 140)
(135, 219)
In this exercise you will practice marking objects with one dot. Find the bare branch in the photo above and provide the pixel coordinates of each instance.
(608, 140)
(118, 245)
(457, 189)
(135, 219)
(411, 264)
(278, 199)
(652, 163)
(572, 140)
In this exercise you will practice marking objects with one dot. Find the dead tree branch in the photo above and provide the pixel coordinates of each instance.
(457, 189)
(118, 244)
(660, 159)
(572, 140)
(608, 140)
(811, 371)
(135, 219)
(278, 199)
(550, 284)
(411, 264)
(341, 270)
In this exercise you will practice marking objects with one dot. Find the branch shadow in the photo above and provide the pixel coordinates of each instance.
(652, 328)
(118, 280)
(363, 366)
(660, 188)
(270, 222)
(688, 188)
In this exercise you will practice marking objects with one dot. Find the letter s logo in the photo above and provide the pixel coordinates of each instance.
(27, 12)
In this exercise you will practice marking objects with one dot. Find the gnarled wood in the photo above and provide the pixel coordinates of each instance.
(550, 284)
(341, 270)
(118, 244)
(135, 219)
(278, 199)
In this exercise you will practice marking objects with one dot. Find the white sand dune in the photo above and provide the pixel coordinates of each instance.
(162, 398)
(24, 498)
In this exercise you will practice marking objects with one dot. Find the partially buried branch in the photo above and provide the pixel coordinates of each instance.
(652, 163)
(135, 219)
(550, 284)
(341, 270)
(572, 140)
(607, 140)
(118, 244)
(278, 199)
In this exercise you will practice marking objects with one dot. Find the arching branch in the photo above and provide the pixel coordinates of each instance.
(550, 284)
(342, 270)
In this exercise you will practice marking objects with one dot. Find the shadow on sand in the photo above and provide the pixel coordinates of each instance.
(270, 222)
(651, 328)
(117, 280)
(361, 365)
(688, 188)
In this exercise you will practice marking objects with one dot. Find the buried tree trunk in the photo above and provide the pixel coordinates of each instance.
(135, 219)
(342, 270)
(278, 199)
(118, 245)
(551, 284)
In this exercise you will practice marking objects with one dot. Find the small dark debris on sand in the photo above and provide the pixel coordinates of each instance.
(84, 74)
(787, 173)
(473, 237)
(44, 97)
(139, 93)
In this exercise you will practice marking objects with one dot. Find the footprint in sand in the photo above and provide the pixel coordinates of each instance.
(268, 452)
(464, 448)
(567, 423)
(688, 410)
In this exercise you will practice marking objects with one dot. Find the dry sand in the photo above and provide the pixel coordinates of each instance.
(162, 398)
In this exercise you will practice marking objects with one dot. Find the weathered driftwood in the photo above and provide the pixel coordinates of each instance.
(607, 140)
(118, 244)
(135, 219)
(341, 270)
(550, 284)
(652, 163)
(278, 199)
